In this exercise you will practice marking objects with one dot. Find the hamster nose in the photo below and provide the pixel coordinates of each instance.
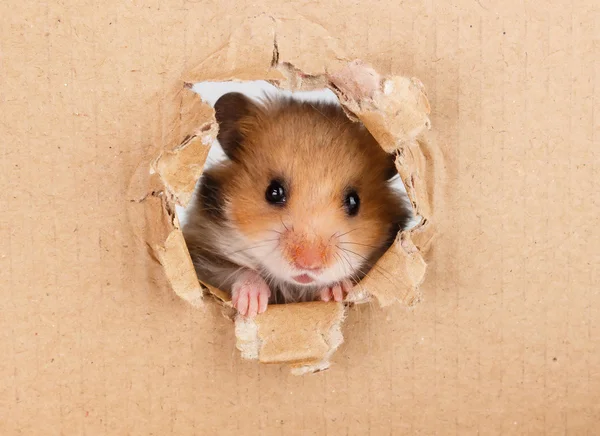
(309, 257)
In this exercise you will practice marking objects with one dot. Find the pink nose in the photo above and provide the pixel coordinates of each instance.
(308, 257)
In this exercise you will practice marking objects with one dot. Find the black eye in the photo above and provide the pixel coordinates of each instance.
(275, 193)
(351, 203)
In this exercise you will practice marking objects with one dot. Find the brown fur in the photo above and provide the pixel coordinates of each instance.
(320, 154)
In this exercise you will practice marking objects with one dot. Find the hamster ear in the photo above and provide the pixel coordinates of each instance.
(229, 110)
(391, 171)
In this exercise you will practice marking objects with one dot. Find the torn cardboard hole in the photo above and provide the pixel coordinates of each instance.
(304, 335)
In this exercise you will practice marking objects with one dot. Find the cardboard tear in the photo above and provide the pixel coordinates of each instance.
(181, 162)
(248, 54)
(398, 274)
(155, 222)
(411, 164)
(394, 109)
(275, 59)
(308, 345)
(423, 235)
(174, 257)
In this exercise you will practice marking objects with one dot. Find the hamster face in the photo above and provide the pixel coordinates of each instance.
(305, 192)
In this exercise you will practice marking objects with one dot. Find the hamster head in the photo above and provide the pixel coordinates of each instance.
(305, 191)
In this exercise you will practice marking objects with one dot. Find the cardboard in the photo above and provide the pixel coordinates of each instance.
(505, 338)
(396, 111)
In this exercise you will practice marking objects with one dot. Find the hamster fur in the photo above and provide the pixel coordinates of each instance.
(300, 210)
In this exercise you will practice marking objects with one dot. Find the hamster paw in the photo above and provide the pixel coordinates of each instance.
(250, 294)
(336, 292)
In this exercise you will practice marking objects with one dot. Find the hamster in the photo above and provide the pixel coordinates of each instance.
(300, 210)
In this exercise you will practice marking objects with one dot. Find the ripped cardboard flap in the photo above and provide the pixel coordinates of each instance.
(314, 333)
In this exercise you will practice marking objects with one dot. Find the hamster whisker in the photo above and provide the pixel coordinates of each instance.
(263, 243)
(273, 250)
(375, 267)
(258, 232)
(355, 276)
(357, 243)
(270, 280)
(226, 280)
(349, 231)
(342, 259)
(286, 227)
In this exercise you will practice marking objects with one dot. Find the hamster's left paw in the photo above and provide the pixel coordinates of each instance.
(336, 292)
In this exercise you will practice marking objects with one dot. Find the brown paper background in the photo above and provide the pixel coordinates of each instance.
(506, 339)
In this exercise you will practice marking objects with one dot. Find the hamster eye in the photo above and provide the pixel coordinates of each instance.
(275, 193)
(351, 202)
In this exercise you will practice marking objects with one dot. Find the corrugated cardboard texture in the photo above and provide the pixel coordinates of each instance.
(507, 337)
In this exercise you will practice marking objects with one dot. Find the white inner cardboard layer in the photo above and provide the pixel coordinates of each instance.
(211, 91)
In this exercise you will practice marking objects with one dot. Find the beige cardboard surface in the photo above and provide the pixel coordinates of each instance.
(506, 339)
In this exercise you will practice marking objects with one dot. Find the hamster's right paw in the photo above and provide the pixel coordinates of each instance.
(250, 294)
(336, 292)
